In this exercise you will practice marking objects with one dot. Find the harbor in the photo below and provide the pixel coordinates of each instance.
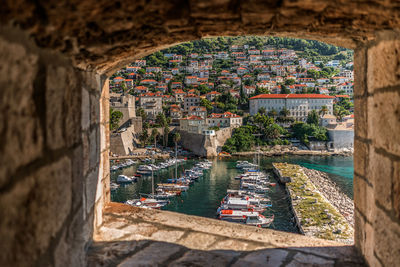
(204, 197)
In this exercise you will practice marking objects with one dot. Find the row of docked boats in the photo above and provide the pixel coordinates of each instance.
(161, 195)
(248, 204)
(122, 165)
(149, 168)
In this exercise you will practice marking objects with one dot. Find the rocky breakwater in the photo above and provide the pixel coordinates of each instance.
(313, 211)
(279, 150)
(332, 193)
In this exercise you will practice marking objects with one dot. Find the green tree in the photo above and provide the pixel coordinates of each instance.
(161, 119)
(262, 111)
(313, 118)
(166, 131)
(154, 134)
(115, 117)
(323, 110)
(144, 136)
(272, 113)
(206, 103)
(284, 112)
(142, 114)
(284, 90)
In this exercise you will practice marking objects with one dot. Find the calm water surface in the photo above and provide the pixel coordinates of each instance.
(203, 197)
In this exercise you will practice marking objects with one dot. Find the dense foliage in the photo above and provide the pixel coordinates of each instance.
(260, 129)
(303, 131)
(115, 117)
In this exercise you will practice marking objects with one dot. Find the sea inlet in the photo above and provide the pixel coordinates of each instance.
(204, 196)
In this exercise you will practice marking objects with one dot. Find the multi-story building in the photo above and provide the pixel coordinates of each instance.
(191, 80)
(151, 104)
(192, 124)
(224, 120)
(199, 111)
(190, 100)
(298, 105)
(179, 95)
(347, 87)
(212, 95)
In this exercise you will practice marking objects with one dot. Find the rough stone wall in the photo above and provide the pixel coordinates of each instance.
(53, 140)
(205, 146)
(123, 143)
(49, 155)
(341, 138)
(108, 35)
(377, 150)
(193, 142)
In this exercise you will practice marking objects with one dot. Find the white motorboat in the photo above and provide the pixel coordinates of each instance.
(125, 179)
(259, 220)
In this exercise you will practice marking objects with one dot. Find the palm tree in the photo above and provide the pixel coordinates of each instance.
(154, 134)
(177, 138)
(165, 133)
(323, 110)
(143, 138)
(272, 113)
(284, 112)
(262, 111)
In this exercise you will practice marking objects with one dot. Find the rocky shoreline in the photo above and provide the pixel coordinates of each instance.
(332, 193)
(291, 150)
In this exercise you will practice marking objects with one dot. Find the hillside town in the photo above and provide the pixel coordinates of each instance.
(233, 99)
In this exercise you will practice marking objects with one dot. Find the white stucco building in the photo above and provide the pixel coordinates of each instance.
(223, 120)
(299, 105)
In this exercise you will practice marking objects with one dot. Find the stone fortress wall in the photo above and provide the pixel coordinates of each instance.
(56, 56)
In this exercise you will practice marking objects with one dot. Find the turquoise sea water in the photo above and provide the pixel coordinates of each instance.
(204, 196)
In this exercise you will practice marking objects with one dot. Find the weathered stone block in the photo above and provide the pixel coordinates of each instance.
(360, 72)
(396, 188)
(380, 169)
(301, 259)
(360, 117)
(94, 149)
(91, 187)
(360, 157)
(359, 231)
(63, 108)
(202, 258)
(94, 108)
(364, 199)
(33, 212)
(268, 257)
(20, 113)
(85, 153)
(78, 184)
(198, 240)
(85, 109)
(368, 246)
(384, 121)
(146, 257)
(384, 65)
(387, 239)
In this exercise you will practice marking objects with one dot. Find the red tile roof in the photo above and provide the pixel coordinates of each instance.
(193, 117)
(262, 96)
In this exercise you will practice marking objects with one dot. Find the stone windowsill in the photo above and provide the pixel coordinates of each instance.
(150, 237)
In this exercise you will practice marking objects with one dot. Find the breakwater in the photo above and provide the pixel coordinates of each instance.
(332, 193)
(314, 213)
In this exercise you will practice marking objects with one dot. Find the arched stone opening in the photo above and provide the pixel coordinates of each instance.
(54, 159)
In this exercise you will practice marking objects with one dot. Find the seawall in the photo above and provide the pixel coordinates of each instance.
(205, 145)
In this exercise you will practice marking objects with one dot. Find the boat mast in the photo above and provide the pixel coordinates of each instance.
(152, 177)
(176, 161)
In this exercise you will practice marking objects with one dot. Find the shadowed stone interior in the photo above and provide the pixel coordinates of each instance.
(54, 174)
